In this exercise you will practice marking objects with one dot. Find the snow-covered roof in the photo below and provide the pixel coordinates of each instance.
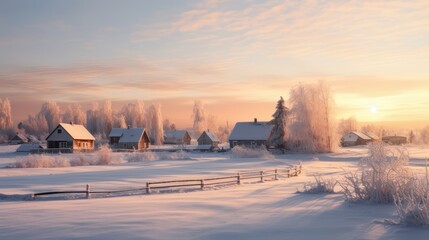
(371, 135)
(251, 131)
(127, 135)
(362, 135)
(76, 131)
(175, 134)
(212, 136)
(28, 147)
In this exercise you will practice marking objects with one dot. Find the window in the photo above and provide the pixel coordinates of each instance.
(59, 131)
(234, 143)
(63, 144)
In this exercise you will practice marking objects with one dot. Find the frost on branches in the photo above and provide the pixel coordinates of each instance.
(280, 116)
(311, 128)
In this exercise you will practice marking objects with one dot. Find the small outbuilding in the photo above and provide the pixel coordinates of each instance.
(395, 140)
(355, 138)
(208, 141)
(129, 138)
(178, 137)
(70, 138)
(19, 138)
(251, 134)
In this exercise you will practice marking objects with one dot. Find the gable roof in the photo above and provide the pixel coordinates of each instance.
(175, 134)
(211, 135)
(251, 131)
(372, 135)
(127, 134)
(76, 131)
(362, 135)
(20, 136)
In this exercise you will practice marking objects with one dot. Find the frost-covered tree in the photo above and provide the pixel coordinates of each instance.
(154, 124)
(74, 114)
(280, 117)
(312, 126)
(92, 119)
(35, 125)
(411, 137)
(199, 118)
(5, 114)
(119, 121)
(424, 135)
(51, 112)
(347, 125)
(223, 132)
(168, 126)
(134, 114)
(106, 119)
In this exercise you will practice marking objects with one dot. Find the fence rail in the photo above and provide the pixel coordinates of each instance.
(263, 175)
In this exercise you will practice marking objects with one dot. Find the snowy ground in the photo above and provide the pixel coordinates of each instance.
(270, 210)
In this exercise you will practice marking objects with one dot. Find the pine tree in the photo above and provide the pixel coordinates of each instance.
(280, 117)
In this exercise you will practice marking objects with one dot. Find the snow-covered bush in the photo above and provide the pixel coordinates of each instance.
(412, 202)
(41, 161)
(378, 175)
(152, 156)
(82, 160)
(321, 185)
(104, 156)
(243, 152)
(142, 157)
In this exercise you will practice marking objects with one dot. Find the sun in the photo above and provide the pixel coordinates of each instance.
(374, 109)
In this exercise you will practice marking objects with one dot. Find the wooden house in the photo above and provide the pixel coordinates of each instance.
(356, 138)
(129, 138)
(179, 137)
(70, 138)
(395, 140)
(251, 134)
(19, 138)
(208, 141)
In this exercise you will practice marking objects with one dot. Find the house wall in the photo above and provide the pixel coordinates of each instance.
(83, 145)
(205, 140)
(60, 136)
(248, 143)
(187, 139)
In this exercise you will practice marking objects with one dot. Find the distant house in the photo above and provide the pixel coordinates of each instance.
(395, 140)
(251, 134)
(19, 138)
(71, 137)
(129, 138)
(372, 136)
(356, 138)
(30, 147)
(208, 141)
(181, 137)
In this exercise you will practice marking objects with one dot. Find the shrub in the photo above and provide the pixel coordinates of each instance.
(412, 202)
(152, 156)
(259, 152)
(378, 175)
(320, 186)
(41, 161)
(104, 156)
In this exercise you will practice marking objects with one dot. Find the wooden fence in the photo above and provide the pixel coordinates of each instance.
(240, 177)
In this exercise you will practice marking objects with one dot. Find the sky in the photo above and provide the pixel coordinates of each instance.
(237, 57)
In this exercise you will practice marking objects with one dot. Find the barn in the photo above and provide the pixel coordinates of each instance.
(356, 138)
(179, 137)
(208, 140)
(129, 138)
(70, 138)
(251, 134)
(395, 140)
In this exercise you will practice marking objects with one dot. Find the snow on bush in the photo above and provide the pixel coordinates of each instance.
(321, 185)
(259, 152)
(412, 202)
(378, 175)
(152, 156)
(105, 156)
(41, 161)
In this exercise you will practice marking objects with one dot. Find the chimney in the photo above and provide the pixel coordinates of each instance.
(255, 120)
(71, 123)
(128, 127)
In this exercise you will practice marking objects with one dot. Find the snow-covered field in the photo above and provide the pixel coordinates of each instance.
(270, 210)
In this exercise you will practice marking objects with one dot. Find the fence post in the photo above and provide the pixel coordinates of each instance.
(288, 173)
(262, 176)
(276, 177)
(238, 178)
(202, 184)
(147, 188)
(88, 191)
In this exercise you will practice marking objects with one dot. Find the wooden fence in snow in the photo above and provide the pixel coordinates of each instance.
(240, 177)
